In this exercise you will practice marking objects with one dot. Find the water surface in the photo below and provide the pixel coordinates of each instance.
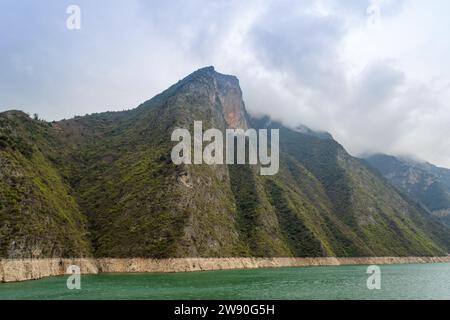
(426, 281)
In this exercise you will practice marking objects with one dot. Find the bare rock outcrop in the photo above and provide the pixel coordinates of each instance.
(32, 269)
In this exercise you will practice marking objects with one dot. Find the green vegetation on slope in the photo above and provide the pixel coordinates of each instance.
(38, 215)
(104, 184)
(299, 238)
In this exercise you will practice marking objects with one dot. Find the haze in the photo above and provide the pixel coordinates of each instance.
(375, 74)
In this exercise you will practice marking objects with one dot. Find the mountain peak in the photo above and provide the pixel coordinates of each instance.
(221, 88)
(211, 73)
(15, 113)
(206, 69)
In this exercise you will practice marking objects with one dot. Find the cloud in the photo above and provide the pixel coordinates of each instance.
(377, 87)
(302, 45)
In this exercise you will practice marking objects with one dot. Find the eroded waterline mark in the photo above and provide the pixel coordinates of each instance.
(236, 142)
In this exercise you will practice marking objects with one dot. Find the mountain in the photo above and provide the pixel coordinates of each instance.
(39, 216)
(427, 184)
(104, 185)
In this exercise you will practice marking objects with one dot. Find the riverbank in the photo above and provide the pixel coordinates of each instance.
(33, 269)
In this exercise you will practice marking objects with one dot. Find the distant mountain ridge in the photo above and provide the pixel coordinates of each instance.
(104, 185)
(422, 181)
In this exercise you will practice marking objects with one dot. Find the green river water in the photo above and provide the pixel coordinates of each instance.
(427, 281)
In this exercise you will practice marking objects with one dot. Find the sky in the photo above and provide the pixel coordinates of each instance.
(373, 73)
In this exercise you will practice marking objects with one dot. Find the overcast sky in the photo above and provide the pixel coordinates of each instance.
(374, 73)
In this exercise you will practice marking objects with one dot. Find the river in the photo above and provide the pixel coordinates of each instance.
(424, 281)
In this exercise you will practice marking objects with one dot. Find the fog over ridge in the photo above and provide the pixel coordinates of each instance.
(375, 74)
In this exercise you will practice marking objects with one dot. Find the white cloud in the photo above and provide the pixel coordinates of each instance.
(384, 88)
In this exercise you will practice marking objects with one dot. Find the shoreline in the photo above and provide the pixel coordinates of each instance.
(16, 270)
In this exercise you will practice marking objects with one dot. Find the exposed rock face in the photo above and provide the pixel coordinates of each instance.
(208, 264)
(230, 96)
(32, 269)
(22, 270)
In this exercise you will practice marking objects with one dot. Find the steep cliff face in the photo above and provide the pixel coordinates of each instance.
(112, 176)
